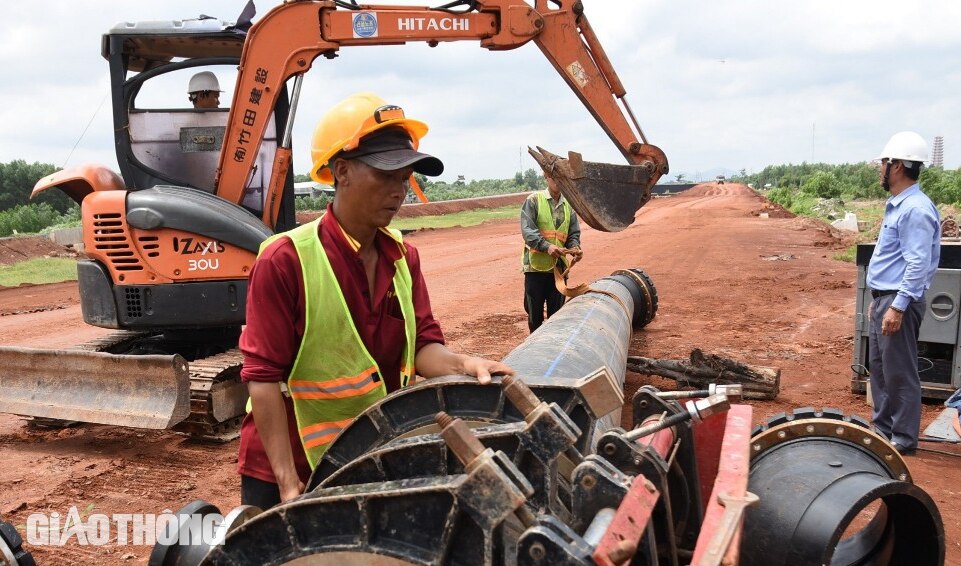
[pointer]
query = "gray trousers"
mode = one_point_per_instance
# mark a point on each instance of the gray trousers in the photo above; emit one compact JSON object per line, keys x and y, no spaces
{"x":895,"y":383}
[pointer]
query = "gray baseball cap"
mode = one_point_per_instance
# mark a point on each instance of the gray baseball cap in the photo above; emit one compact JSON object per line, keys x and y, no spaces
{"x":390,"y":149}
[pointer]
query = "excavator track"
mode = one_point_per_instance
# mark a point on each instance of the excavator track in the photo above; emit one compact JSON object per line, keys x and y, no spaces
{"x":217,"y":396}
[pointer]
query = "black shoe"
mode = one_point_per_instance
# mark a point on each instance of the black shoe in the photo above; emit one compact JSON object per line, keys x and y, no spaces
{"x":903,"y":450}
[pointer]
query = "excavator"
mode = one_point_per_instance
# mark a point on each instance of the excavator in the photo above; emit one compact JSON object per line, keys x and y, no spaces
{"x":171,"y":240}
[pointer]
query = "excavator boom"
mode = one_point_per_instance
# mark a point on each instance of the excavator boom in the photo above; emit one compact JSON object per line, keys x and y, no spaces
{"x":287,"y":40}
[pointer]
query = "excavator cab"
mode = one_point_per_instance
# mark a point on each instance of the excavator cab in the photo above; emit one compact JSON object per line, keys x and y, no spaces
{"x":167,"y":254}
{"x":161,"y":138}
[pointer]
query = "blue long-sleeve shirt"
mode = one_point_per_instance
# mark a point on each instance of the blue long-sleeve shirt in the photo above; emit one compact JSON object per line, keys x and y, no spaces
{"x":909,"y":247}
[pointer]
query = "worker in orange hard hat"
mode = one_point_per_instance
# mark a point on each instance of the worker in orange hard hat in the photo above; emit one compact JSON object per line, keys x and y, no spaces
{"x":337,"y":309}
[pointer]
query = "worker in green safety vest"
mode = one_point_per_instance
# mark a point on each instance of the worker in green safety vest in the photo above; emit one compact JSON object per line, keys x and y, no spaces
{"x":551,"y":233}
{"x":338,"y":314}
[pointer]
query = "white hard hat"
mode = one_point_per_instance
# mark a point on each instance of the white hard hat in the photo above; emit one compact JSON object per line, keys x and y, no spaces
{"x":909,"y":146}
{"x":204,"y":80}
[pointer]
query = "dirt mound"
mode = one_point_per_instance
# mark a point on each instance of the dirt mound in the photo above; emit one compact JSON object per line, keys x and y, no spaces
{"x":773,"y":210}
{"x":20,"y":248}
{"x":715,"y":189}
{"x":444,"y":207}
{"x":827,"y":236}
{"x":460,"y":205}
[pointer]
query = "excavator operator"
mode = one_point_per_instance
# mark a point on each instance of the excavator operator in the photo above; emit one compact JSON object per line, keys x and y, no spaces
{"x":338,"y":313}
{"x":203,"y":90}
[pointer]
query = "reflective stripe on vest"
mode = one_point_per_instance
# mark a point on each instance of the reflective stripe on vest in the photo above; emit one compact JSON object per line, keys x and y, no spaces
{"x":538,"y":260}
{"x":322,"y":434}
{"x":334,"y":378}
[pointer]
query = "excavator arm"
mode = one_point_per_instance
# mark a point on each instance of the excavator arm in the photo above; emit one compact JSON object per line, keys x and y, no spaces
{"x":287,"y":40}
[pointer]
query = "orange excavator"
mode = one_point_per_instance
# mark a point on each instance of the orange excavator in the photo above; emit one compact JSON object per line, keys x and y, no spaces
{"x":171,"y":240}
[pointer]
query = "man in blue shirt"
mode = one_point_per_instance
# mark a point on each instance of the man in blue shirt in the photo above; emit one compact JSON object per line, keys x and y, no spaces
{"x":904,"y":262}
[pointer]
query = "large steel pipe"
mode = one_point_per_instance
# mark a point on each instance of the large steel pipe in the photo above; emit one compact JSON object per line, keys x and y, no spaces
{"x":560,"y":363}
{"x":591,"y":331}
{"x":834,"y":492}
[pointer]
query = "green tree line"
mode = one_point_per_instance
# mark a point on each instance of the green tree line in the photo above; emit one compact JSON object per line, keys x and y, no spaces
{"x":18,"y":212}
{"x":847,"y":180}
{"x":17,"y":179}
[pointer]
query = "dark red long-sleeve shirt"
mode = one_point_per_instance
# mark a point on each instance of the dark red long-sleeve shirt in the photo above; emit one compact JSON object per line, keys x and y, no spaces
{"x":275,"y":323}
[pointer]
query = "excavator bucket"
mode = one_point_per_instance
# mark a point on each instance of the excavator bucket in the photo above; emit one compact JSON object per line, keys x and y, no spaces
{"x":605,"y":196}
{"x":147,"y":391}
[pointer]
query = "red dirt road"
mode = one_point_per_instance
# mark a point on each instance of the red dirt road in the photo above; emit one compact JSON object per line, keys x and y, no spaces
{"x":760,"y":290}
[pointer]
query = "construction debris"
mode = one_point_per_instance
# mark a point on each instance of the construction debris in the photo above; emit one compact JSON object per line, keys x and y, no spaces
{"x":949,"y":227}
{"x":759,"y":382}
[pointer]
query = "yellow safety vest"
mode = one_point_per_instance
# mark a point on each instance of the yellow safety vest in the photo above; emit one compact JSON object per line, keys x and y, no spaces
{"x":334,"y":377}
{"x":538,"y":260}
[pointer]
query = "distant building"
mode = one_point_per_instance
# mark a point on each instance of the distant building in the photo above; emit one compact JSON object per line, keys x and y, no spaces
{"x":312,"y":189}
{"x":937,"y":152}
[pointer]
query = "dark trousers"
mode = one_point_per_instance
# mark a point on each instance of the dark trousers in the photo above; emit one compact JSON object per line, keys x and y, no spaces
{"x":539,"y":290}
{"x":258,"y":493}
{"x":895,"y":383}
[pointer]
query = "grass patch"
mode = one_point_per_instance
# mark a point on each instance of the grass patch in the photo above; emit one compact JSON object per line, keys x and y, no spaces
{"x":849,"y":255}
{"x":466,"y":218}
{"x":38,"y":271}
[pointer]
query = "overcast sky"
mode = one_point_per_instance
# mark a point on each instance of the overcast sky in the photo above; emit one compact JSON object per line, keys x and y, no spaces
{"x":732,"y":84}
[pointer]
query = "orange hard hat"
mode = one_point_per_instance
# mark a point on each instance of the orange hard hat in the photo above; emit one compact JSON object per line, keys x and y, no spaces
{"x":342,"y":128}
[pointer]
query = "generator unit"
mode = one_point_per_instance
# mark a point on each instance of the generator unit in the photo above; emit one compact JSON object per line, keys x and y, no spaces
{"x":939,"y":342}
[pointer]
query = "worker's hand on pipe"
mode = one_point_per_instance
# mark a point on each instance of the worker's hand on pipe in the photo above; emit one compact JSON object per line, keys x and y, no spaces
{"x":435,"y":360}
{"x":482,"y":368}
{"x":891,"y":322}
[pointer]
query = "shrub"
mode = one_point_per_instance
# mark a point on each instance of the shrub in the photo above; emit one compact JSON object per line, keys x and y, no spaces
{"x":312,"y":203}
{"x":28,"y":219}
{"x":822,"y":184}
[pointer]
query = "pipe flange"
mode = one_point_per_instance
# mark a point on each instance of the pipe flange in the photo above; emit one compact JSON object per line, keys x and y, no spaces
{"x":644,"y":312}
{"x":853,"y":433}
{"x":811,"y":413}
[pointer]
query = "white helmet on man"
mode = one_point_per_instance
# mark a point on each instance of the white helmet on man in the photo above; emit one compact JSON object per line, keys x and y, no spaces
{"x":204,"y":80}
{"x":907,"y":146}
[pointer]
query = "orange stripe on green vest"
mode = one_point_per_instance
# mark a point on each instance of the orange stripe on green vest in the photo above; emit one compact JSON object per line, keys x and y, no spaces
{"x":321,"y":434}
{"x":335,"y":388}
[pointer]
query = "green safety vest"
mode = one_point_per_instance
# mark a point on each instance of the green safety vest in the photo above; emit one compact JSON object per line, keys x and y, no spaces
{"x":542,"y":261}
{"x":334,"y":377}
